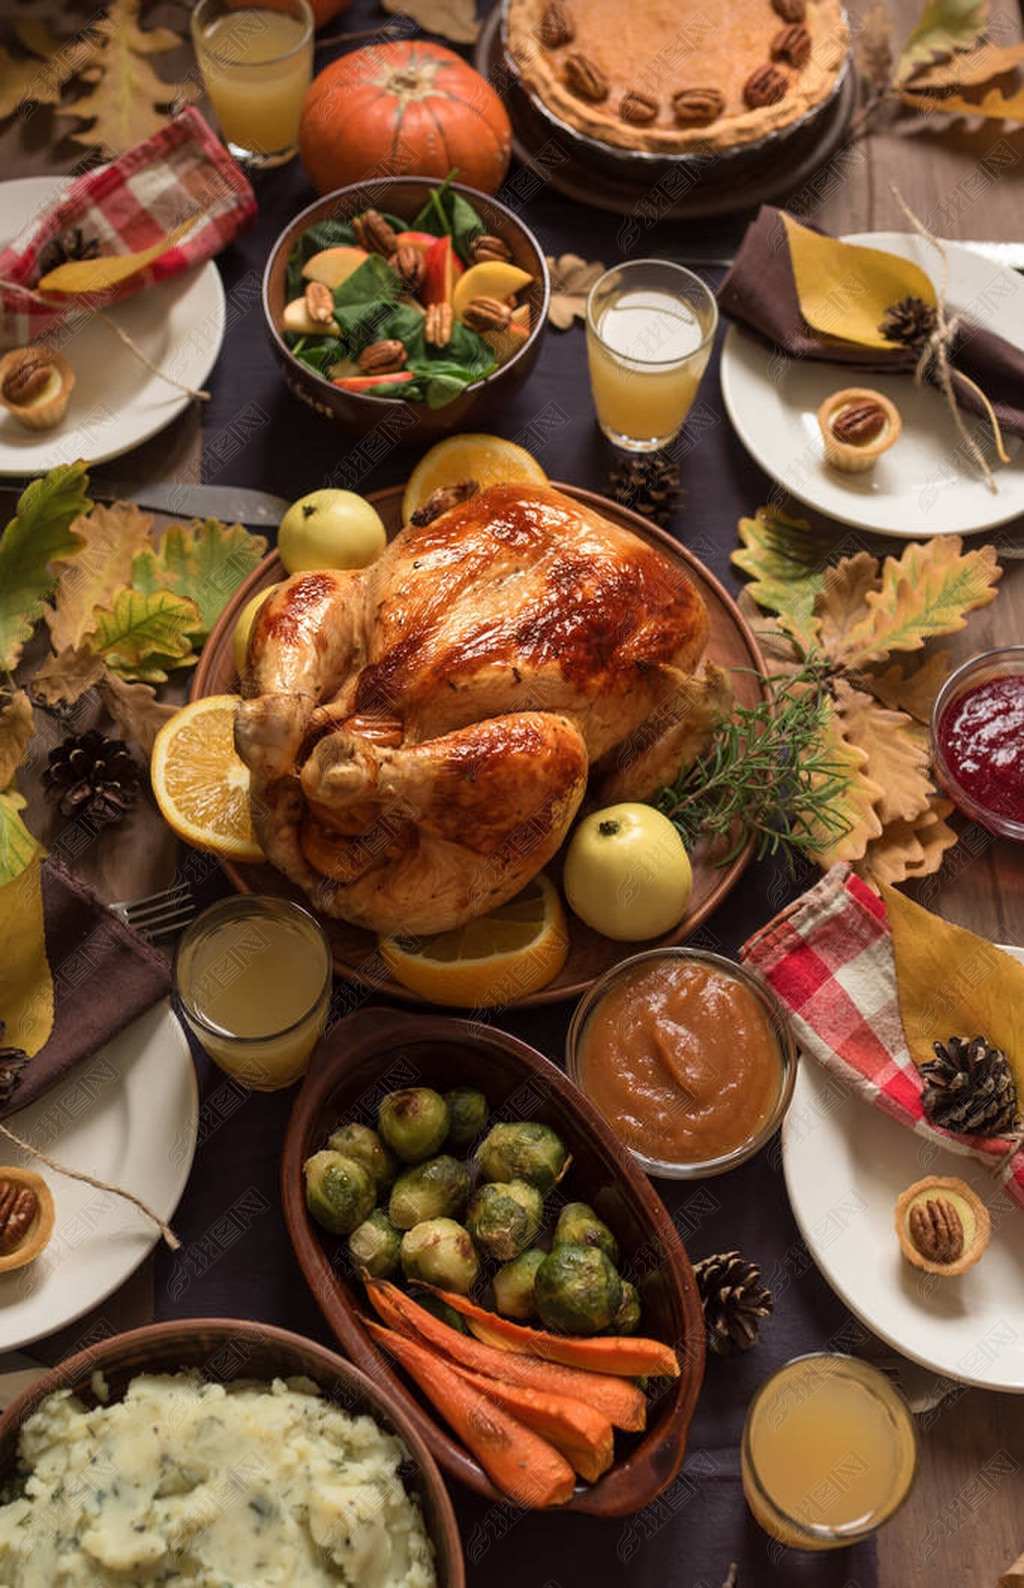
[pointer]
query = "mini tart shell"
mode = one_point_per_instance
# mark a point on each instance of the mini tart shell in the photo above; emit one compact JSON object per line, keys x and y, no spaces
{"x":47,"y":413}
{"x":847,"y":456}
{"x":41,"y":1228}
{"x":973,"y":1216}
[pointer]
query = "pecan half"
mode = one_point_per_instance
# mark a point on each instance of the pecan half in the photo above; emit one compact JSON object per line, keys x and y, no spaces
{"x":555,"y":28}
{"x":766,"y":86}
{"x":437,"y":327}
{"x":486,"y":314}
{"x":18,"y":1208}
{"x":410,"y":266}
{"x":694,"y":107}
{"x":27,"y":380}
{"x":936,"y":1230}
{"x":439,"y":501}
{"x":374,"y":233}
{"x":586,"y":79}
{"x":485,"y":247}
{"x":319,"y":303}
{"x":790,"y":10}
{"x":382,"y":358}
{"x":638,"y":108}
{"x":858,"y":423}
{"x":792,"y":44}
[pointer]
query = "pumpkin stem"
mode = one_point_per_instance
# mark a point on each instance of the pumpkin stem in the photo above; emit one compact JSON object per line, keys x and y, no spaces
{"x":409,"y":80}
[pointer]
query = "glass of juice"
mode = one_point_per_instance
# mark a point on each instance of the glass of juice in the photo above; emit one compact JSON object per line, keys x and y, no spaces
{"x":253,"y":976}
{"x":829,"y":1451}
{"x":650,"y":326}
{"x":257,"y":62}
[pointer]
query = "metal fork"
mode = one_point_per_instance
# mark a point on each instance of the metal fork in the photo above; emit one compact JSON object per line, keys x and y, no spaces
{"x":159,"y":914}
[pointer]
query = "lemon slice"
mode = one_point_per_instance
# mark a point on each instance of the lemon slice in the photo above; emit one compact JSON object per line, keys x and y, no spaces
{"x":487,"y":459}
{"x":200,"y":784}
{"x":518,"y":948}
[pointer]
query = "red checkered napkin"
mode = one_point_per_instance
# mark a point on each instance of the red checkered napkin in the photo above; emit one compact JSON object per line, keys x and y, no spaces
{"x":183,"y":170}
{"x":828,"y":958}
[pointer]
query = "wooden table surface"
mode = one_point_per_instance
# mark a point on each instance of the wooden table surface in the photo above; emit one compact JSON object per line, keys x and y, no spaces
{"x":964,"y":1521}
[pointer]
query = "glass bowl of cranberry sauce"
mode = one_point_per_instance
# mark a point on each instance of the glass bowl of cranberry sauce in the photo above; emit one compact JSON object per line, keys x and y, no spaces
{"x":978,"y":739}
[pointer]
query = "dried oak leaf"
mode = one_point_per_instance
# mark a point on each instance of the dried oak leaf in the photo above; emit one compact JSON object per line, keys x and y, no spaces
{"x":909,"y":849}
{"x":37,"y":539}
{"x":897,"y":758}
{"x":16,"y":729}
{"x":126,"y":100}
{"x":873,"y":47}
{"x":911,"y":691}
{"x":926,"y":591}
{"x":943,"y":28}
{"x":786,"y":563}
{"x":450,"y":19}
{"x":140,"y":635}
{"x":994,"y":107}
{"x":135,"y":709}
{"x":969,"y":71}
{"x":67,"y":676}
{"x":841,"y":606}
{"x":113,"y":536}
{"x":205,"y":561}
{"x":571,"y":281}
{"x":779,"y":650}
{"x":856,"y":807}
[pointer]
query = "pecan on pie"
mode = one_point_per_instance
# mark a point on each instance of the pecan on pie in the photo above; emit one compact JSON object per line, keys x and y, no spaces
{"x":669,"y":76}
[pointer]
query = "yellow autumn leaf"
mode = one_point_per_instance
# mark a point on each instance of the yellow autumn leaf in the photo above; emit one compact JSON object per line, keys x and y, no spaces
{"x":995,"y":106}
{"x":926,"y":591}
{"x":908,"y":849}
{"x":953,"y":983}
{"x":26,"y":983}
{"x":970,"y":70}
{"x":844,"y":289}
{"x":943,"y":27}
{"x":126,"y":101}
{"x":898,"y":759}
{"x":912,"y":690}
{"x":454,"y":20}
{"x":111,"y":536}
{"x":96,"y":275}
{"x":855,"y":809}
{"x":67,"y":676}
{"x":16,"y":729}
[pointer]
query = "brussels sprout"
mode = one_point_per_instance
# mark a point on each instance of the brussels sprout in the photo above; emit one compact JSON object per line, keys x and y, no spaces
{"x":467,"y":1115}
{"x":577,"y":1290}
{"x":440,"y":1252}
{"x":579,"y":1225}
{"x":627,"y":1319}
{"x":524,"y":1151}
{"x":413,"y":1123}
{"x":432,"y":1190}
{"x":513,"y":1285}
{"x":376,"y":1245}
{"x":505,"y":1218}
{"x":339,"y":1192}
{"x":364,"y":1146}
{"x":441,"y":1309}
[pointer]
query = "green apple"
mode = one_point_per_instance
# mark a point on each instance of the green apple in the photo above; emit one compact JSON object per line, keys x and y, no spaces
{"x":330,"y":529}
{"x":243,"y":628}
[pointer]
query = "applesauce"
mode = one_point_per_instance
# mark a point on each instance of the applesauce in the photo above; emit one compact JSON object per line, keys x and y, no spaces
{"x":686,"y":1056}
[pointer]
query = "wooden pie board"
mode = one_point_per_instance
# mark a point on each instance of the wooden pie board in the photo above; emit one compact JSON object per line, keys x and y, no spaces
{"x":731,"y":644}
{"x":669,"y":188}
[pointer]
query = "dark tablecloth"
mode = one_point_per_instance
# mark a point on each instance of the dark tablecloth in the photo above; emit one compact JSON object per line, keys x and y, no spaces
{"x":236,"y":1258}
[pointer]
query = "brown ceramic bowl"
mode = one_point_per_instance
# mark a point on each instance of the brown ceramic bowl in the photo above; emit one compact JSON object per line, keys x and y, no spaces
{"x":379,"y":1050}
{"x":412,"y":422}
{"x":224,"y":1349}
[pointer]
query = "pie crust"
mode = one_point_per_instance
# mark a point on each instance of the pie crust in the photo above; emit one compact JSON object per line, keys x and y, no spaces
{"x":46,"y":410}
{"x":41,"y":1228}
{"x":658,"y":48}
{"x":856,"y":457}
{"x":970,"y":1209}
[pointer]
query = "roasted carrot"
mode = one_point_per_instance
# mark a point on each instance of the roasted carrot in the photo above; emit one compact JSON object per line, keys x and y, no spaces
{"x":582,"y":1435}
{"x":602,"y":1353}
{"x":522,"y":1465}
{"x":622,"y":1403}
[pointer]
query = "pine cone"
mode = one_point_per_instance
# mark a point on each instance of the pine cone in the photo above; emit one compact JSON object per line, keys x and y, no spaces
{"x":67,"y":246}
{"x":969,"y":1088}
{"x":648,"y":483}
{"x":734,"y":1301}
{"x":91,"y":776}
{"x":12,"y":1061}
{"x":911,"y":321}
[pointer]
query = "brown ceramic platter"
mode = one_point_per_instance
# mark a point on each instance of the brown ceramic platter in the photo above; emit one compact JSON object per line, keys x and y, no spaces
{"x":224,"y":1349}
{"x":731,"y":644}
{"x":376,"y":1050}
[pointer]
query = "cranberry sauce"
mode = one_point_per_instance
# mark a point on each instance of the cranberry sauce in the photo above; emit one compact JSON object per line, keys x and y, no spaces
{"x":981,"y":735}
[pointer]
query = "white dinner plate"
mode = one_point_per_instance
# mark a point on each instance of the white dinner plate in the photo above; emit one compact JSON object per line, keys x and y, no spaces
{"x":130,"y":1116}
{"x":845,"y":1165}
{"x":921,"y":486}
{"x":117,"y":403}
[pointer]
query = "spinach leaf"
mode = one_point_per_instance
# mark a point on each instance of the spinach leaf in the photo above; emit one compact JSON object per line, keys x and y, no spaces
{"x":325,"y":234}
{"x":448,"y":214}
{"x":469,"y":349}
{"x":466,"y":224}
{"x":322,"y":357}
{"x":365,"y":302}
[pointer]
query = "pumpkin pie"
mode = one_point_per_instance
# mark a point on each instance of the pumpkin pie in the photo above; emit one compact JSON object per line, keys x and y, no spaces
{"x":671,"y":76}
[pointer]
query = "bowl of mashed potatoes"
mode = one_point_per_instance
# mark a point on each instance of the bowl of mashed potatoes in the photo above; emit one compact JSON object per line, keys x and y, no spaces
{"x":212,"y":1452}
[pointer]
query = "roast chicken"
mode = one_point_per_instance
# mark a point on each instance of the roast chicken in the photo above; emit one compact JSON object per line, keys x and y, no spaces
{"x":420,"y":733}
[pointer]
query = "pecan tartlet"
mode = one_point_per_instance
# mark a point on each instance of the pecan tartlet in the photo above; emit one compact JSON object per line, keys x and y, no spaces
{"x":26,"y":1216}
{"x":35,"y":385}
{"x":943,"y":1226}
{"x":857,"y":425}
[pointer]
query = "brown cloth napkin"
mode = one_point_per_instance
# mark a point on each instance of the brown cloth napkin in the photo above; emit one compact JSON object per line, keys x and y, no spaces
{"x":104,"y":977}
{"x":759,"y":293}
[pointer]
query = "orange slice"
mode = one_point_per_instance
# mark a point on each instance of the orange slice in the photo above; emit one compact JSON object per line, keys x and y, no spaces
{"x":489,"y":460}
{"x":200,"y":783}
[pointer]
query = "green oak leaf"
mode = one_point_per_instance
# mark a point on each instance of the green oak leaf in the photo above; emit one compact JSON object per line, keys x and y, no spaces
{"x":37,"y":538}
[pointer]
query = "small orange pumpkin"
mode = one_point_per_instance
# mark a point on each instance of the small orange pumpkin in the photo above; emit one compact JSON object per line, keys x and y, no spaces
{"x":404,"y":108}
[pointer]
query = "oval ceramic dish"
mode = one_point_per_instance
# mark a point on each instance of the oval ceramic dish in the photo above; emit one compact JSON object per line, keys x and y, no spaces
{"x":415,"y":422}
{"x":731,"y":643}
{"x":232,"y":1348}
{"x":378,"y":1050}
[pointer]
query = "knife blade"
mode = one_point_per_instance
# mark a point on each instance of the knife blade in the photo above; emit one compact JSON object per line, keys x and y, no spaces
{"x":233,"y":504}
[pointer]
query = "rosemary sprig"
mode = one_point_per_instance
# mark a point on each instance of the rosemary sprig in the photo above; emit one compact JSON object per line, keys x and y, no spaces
{"x":769,"y":774}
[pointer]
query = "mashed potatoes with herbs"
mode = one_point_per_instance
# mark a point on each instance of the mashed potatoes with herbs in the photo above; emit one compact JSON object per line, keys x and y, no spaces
{"x":199,"y":1485}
